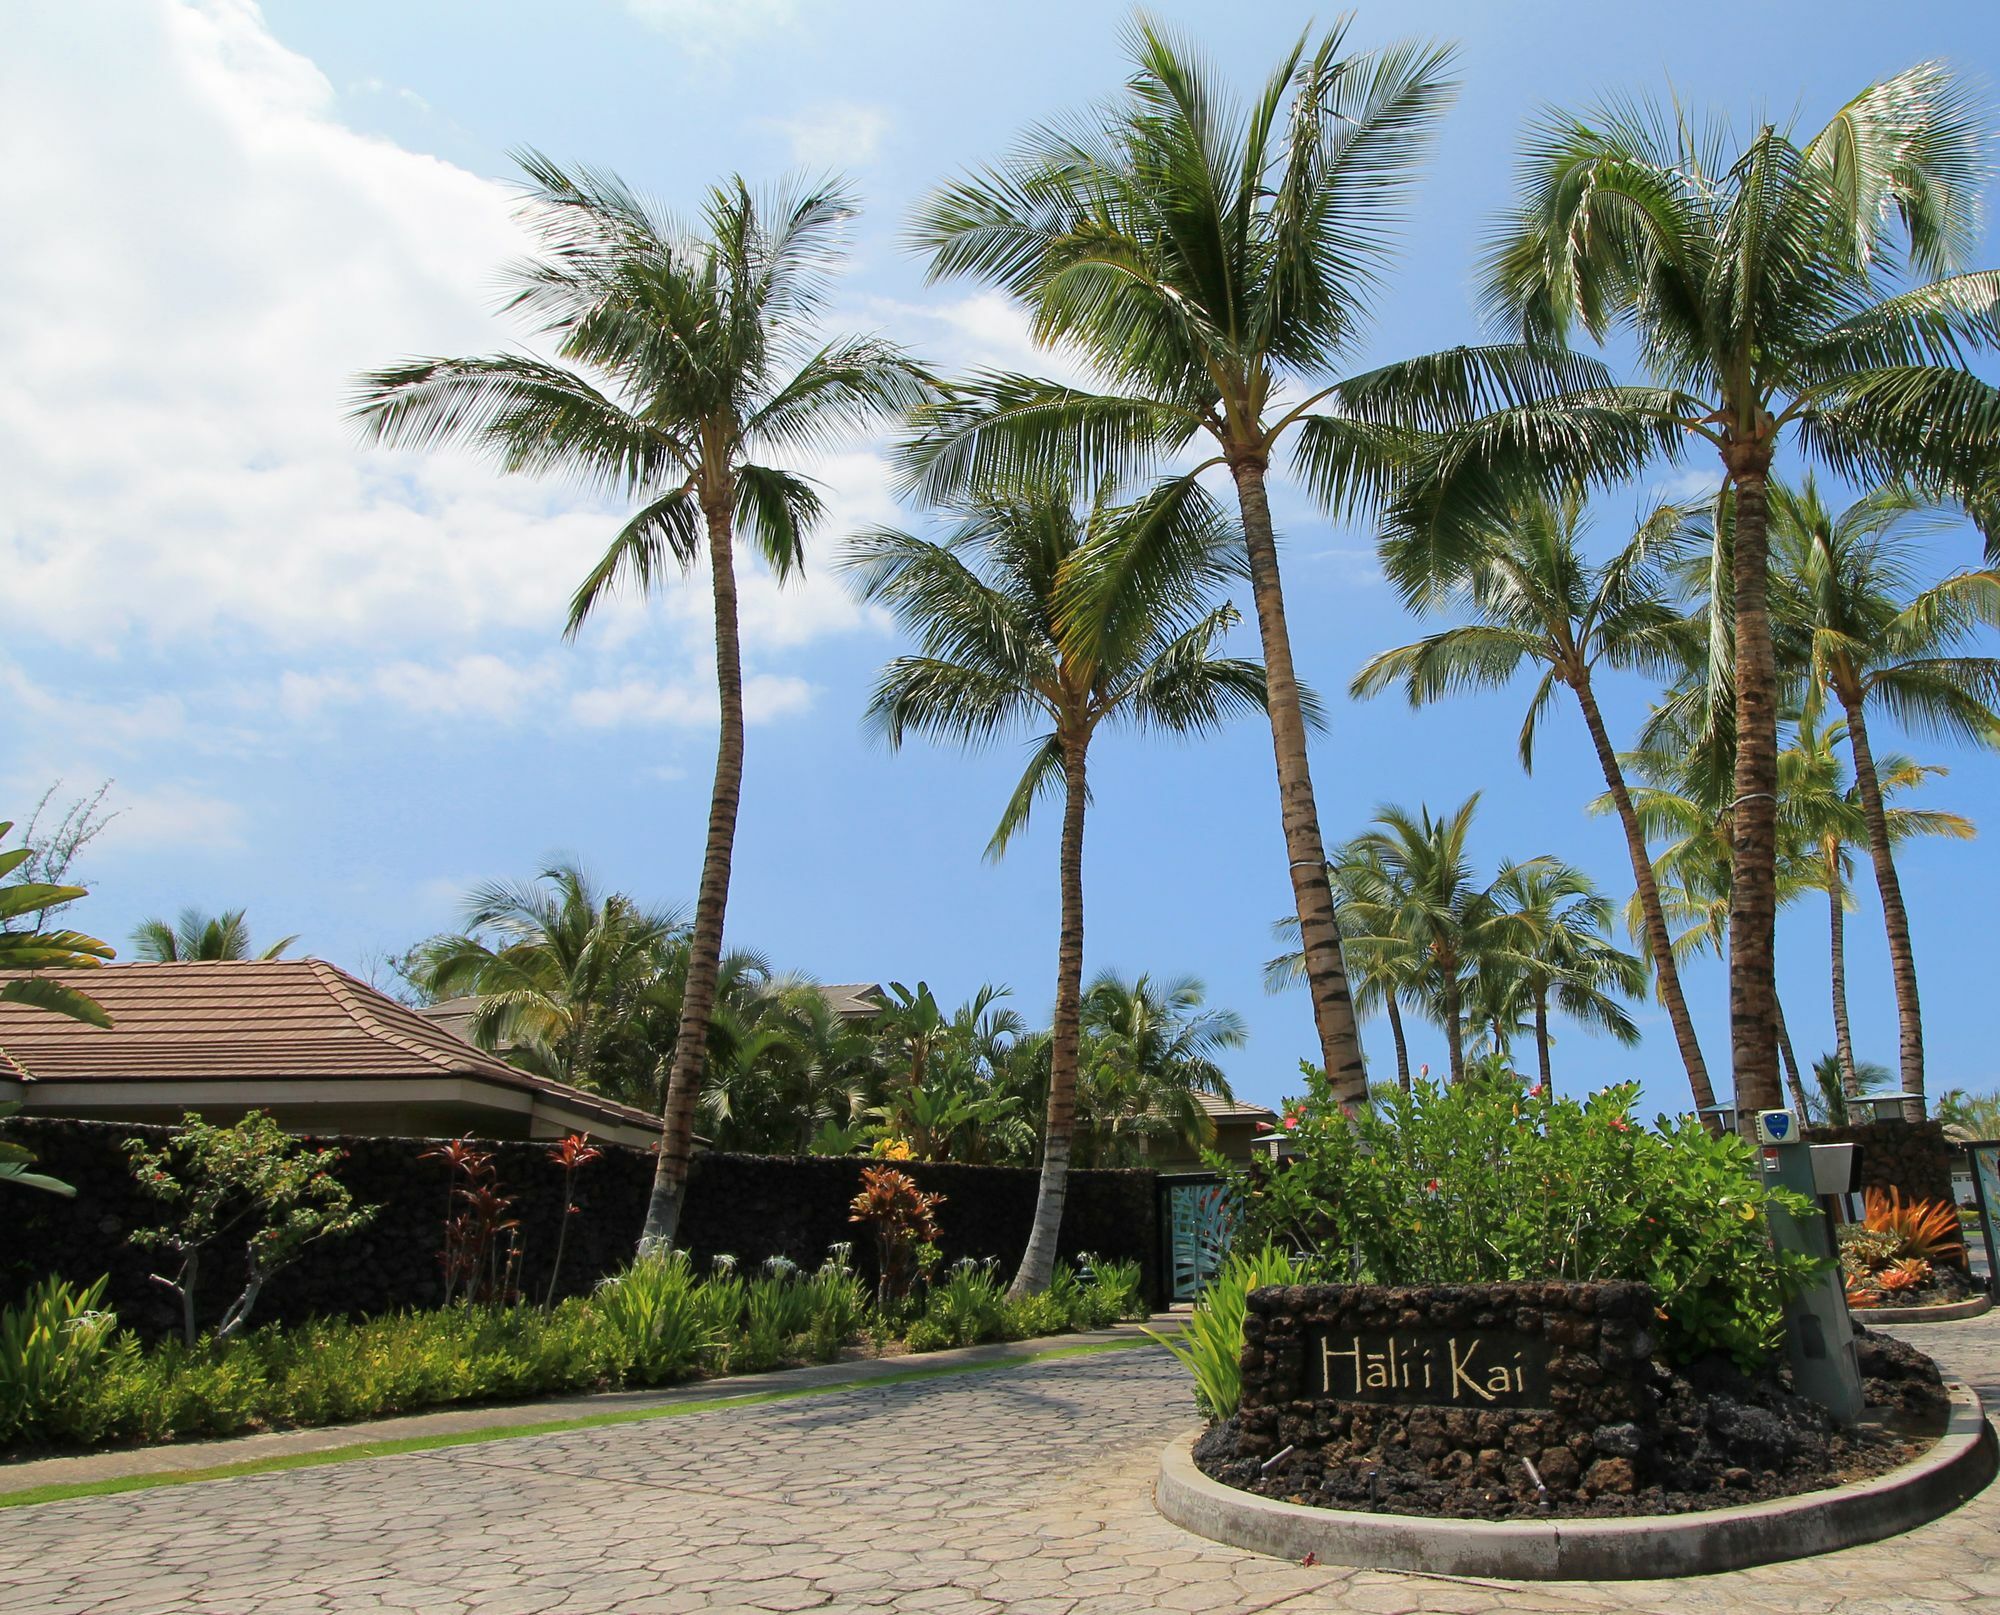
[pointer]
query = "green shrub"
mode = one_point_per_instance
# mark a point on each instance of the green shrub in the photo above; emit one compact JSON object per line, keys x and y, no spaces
{"x":969,"y":1306}
{"x":1486,"y":1181}
{"x":655,"y":1313}
{"x":50,"y":1347}
{"x":778,"y":1309}
{"x":1118,"y":1291}
{"x":923,"y":1335}
{"x":839,"y":1305}
{"x":1211,"y":1346}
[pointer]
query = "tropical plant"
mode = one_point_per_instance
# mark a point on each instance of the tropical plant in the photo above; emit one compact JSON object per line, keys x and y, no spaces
{"x":1446,"y":929}
{"x":1834,"y":1083}
{"x":1210,"y":1347}
{"x":1919,"y":1228}
{"x":902,"y":1218}
{"x":1781,"y":291}
{"x":15,"y":1159}
{"x":477,"y":1212}
{"x":1149,"y":1053}
{"x":1846,"y":604}
{"x":695,"y":360}
{"x":1032,"y":613}
{"x":1537,"y":602}
{"x":54,"y":841}
{"x":572,"y":1154}
{"x":1207,"y":259}
{"x":1564,"y":958}
{"x":253,"y":1182}
{"x":654,"y":1310}
{"x":24,"y":952}
{"x":51,"y":1345}
{"x":201,"y":937}
{"x":1967,"y":1116}
{"x":557,"y":968}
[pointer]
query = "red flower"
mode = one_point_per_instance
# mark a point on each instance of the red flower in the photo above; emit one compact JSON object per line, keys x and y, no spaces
{"x":1621,"y":1124}
{"x":1291,"y":1124}
{"x":1432,"y":1186}
{"x":1536,"y":1091}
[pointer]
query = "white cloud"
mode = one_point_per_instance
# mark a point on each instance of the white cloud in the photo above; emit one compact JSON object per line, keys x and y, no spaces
{"x":833,"y":134}
{"x":708,"y":27}
{"x":687,"y":702}
{"x":176,"y":355}
{"x":173,"y":817}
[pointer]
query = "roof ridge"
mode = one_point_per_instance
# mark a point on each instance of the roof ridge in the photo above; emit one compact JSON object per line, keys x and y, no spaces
{"x":338,"y":984}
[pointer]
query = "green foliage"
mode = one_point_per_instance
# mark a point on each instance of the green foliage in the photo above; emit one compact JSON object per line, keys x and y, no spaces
{"x":50,"y":1347}
{"x":254,"y":1182}
{"x":1118,"y":1289}
{"x":15,"y":1159}
{"x":1485,"y":1182}
{"x":839,"y":1306}
{"x":196,"y":936}
{"x":1211,"y":1347}
{"x":652,"y":1311}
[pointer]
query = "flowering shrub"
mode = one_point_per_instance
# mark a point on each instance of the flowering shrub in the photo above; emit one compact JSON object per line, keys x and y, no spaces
{"x":1490,"y":1181}
{"x":904,"y":1221}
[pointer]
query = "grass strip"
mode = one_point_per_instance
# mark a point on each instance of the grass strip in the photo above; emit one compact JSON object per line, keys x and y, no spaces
{"x":63,"y":1491}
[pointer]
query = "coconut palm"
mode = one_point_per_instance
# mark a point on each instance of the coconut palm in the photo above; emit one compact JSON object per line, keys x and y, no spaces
{"x":995,"y":608}
{"x":1825,"y":810}
{"x":690,"y":358}
{"x":1151,"y":1051}
{"x":1538,"y":603}
{"x":558,"y":969}
{"x":1789,"y":293}
{"x":196,"y":935}
{"x":1445,"y":929}
{"x":1845,"y":599}
{"x":1560,"y":919}
{"x":1207,"y":260}
{"x":1836,"y":1084}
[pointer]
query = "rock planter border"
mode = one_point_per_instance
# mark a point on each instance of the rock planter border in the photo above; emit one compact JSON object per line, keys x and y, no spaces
{"x":1950,"y":1312}
{"x":1624,"y":1549}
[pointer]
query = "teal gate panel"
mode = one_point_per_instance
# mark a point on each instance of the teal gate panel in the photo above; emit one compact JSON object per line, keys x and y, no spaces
{"x":1200,"y":1218}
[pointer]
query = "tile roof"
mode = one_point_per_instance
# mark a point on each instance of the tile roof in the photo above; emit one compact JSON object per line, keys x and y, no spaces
{"x":852,"y":1000}
{"x":1226,"y":1109}
{"x":282,"y":1020}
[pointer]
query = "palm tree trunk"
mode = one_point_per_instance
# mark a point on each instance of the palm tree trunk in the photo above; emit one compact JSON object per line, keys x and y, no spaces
{"x":1790,"y":1056}
{"x":1038,"y":1261}
{"x":1402,"y":1049}
{"x":1753,"y":879}
{"x":1454,"y":1029}
{"x":1895,"y":918}
{"x":1312,"y":891}
{"x":663,"y":1209}
{"x":1843,"y":1041}
{"x":1666,"y":974}
{"x":1542,"y":1038}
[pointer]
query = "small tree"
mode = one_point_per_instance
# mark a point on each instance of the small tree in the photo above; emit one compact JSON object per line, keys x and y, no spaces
{"x":254,"y":1181}
{"x":902,"y":1217}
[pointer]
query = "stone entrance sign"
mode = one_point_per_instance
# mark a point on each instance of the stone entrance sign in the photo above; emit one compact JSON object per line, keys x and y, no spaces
{"x":1522,"y":1385}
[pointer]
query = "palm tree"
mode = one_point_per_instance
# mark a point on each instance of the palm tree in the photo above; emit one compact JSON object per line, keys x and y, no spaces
{"x":196,"y":936}
{"x":1208,"y":260}
{"x":1826,"y":811}
{"x":695,"y":360}
{"x":1446,"y":929}
{"x":999,"y":611}
{"x":25,"y":952}
{"x":1152,"y":1052}
{"x":1791,"y":292}
{"x":1560,"y":919}
{"x":1843,"y":597}
{"x":1537,"y":602}
{"x":1836,"y":1084}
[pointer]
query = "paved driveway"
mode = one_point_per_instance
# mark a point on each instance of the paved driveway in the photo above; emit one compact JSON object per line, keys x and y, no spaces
{"x":1025,"y":1489}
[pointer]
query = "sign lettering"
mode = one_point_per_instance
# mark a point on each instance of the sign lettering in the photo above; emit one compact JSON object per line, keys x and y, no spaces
{"x":1486,"y":1368}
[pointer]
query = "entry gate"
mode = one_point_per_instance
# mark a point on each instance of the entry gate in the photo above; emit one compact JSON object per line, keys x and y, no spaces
{"x":1198,"y":1216}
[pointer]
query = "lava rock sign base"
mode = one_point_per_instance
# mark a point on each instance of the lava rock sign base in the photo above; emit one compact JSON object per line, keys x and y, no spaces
{"x":1536,"y":1389}
{"x":1961,"y":1463}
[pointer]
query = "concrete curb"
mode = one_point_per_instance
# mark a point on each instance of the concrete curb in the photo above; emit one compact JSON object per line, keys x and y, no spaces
{"x":1977,"y":1307}
{"x":1643,"y":1548}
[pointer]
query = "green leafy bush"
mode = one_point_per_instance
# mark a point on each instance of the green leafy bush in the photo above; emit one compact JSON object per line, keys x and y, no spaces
{"x":1118,"y":1292}
{"x":654,"y":1312}
{"x":839,"y":1306}
{"x":1488,"y":1181}
{"x":778,"y":1310}
{"x":50,"y":1347}
{"x":969,"y":1306}
{"x":1211,"y":1346}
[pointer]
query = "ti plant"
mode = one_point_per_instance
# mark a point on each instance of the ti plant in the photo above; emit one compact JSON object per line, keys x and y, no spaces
{"x":574,"y":1152}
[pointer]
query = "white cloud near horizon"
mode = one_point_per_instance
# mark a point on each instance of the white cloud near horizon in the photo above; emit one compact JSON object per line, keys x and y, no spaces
{"x":832,"y":134}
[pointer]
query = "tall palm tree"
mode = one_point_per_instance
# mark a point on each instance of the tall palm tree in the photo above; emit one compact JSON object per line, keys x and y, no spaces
{"x":690,"y":356}
{"x":1446,"y":926}
{"x":1560,"y":919}
{"x":1826,"y":811}
{"x":1537,"y":602}
{"x":558,"y":968}
{"x":996,"y":609}
{"x":199,"y":936}
{"x":1208,"y":260}
{"x":1845,"y":600}
{"x":1156,"y":1045}
{"x":1782,"y":292}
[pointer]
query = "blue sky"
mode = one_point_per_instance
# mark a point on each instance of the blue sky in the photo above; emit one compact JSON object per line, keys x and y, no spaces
{"x":329,"y":683}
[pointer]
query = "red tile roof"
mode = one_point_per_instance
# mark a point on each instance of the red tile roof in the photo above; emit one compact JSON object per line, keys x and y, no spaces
{"x":286,"y":1020}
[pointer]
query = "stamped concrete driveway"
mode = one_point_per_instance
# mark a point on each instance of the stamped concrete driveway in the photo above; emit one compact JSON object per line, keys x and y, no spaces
{"x":1024,"y":1489}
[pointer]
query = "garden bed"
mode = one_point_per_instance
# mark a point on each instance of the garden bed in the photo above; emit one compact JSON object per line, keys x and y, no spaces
{"x":1713,"y":1437}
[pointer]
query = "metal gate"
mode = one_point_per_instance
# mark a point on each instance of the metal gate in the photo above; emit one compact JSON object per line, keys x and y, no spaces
{"x":1198,"y":1215}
